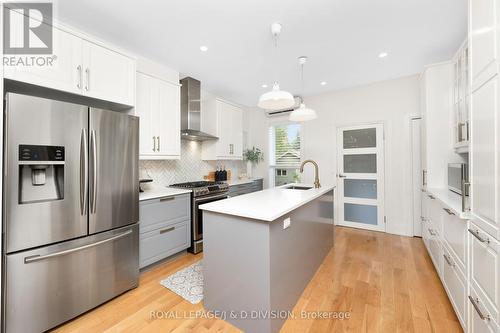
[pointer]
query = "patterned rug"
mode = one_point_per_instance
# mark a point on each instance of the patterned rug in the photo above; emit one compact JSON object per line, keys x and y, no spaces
{"x":187,"y":283}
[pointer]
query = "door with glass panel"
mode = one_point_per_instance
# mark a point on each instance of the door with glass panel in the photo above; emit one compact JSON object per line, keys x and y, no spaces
{"x":360,"y":166}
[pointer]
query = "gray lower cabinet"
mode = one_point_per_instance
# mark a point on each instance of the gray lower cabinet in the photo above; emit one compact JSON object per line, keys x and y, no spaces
{"x":165,"y":227}
{"x":254,"y":186}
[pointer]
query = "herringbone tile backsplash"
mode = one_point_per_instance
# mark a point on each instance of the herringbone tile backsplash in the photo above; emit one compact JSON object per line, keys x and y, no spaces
{"x":189,"y":168}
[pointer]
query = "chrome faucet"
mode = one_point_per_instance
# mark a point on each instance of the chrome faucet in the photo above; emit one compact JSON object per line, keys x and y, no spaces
{"x":316,"y":172}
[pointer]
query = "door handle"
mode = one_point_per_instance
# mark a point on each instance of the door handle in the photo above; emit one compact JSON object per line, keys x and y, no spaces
{"x":93,"y":145}
{"x":87,"y":76}
{"x":154,"y":143}
{"x":424,"y":177}
{"x":448,"y":260}
{"x":167,"y":230}
{"x":35,"y":258}
{"x":448,"y":211}
{"x":478,"y":310}
{"x":431,"y":197}
{"x":476,"y":234}
{"x":431,"y":232}
{"x":79,"y":84}
{"x":158,"y":148}
{"x":83,"y":172}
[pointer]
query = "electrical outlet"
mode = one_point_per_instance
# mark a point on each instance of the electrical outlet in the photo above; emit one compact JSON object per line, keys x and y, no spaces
{"x":286,"y":223}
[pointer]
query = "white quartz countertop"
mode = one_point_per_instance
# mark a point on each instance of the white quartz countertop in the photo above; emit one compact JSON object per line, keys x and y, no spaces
{"x":241,"y":181}
{"x":155,"y":192}
{"x":267,"y":205}
{"x":449,"y":199}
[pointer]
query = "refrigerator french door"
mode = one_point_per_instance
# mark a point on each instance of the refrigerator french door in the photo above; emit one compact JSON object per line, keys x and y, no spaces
{"x":70,"y":210}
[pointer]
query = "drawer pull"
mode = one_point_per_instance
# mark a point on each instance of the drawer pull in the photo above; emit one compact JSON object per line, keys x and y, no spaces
{"x":448,"y":211}
{"x":166,"y":230}
{"x":478,"y":310}
{"x":431,"y":197}
{"x":476,"y":234}
{"x":432,"y":232}
{"x":166,"y":199}
{"x":448,"y":260}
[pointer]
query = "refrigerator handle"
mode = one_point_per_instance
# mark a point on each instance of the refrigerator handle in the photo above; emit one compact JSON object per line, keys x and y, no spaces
{"x":93,"y":146}
{"x":83,"y":172}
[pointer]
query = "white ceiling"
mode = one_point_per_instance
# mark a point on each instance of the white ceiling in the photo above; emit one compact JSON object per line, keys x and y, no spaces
{"x":342,"y":38}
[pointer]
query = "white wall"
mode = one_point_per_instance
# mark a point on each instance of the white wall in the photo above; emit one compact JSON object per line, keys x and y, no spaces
{"x":389,"y":102}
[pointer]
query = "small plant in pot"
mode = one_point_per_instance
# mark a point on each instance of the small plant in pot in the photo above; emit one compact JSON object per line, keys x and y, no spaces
{"x":252,"y":156}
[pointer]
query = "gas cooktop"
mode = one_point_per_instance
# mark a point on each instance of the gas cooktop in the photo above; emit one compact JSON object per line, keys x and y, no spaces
{"x":200,"y":188}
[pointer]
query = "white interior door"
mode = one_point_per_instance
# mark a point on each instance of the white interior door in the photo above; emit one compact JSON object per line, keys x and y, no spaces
{"x":416,"y":175}
{"x":360,"y":165}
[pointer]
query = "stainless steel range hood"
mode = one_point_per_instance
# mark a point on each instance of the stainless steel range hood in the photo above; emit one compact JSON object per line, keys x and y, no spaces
{"x":191,"y":111}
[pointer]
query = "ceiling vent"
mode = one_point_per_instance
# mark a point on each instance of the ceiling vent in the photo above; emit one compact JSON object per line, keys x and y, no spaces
{"x":283,"y":112}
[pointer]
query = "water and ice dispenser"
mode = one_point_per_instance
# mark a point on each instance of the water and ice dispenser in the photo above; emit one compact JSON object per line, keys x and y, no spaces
{"x":41,"y":173}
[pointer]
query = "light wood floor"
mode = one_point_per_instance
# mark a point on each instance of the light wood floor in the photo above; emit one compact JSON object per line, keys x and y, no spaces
{"x":386,"y":282}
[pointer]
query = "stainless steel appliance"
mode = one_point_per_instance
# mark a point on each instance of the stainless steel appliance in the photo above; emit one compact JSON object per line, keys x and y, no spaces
{"x":202,"y":192}
{"x":70,"y":210}
{"x":191,"y":111}
{"x":458,"y":177}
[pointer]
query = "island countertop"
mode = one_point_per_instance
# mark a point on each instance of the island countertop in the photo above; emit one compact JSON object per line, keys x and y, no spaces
{"x":269,"y":204}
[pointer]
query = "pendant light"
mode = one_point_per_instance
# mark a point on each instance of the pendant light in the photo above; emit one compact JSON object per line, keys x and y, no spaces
{"x":276,"y":99}
{"x":302,"y":113}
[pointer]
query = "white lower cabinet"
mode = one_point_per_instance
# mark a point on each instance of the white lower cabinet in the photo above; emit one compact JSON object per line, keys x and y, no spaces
{"x":480,"y":319}
{"x":455,"y":235}
{"x":455,"y":283}
{"x":165,"y":227}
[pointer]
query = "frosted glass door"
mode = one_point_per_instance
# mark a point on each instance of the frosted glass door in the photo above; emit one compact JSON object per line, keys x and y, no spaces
{"x":360,"y":175}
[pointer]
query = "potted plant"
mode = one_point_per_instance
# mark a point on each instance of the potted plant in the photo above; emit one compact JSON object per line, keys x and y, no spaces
{"x":252,"y":156}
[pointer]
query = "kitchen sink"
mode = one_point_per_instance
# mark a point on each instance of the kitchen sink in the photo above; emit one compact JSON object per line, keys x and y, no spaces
{"x":295,"y":187}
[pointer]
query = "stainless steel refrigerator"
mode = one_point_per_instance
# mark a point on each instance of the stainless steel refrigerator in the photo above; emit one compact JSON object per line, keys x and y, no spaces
{"x":71,"y":210}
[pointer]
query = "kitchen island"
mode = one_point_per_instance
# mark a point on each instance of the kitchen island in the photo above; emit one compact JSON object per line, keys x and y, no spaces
{"x":261,"y":250}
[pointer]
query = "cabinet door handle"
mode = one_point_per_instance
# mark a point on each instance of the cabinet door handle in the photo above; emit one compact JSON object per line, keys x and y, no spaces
{"x":87,"y":75}
{"x":158,"y":148}
{"x":79,"y":84}
{"x":166,"y":199}
{"x":448,"y":260}
{"x":431,"y":197}
{"x":167,"y":230}
{"x":475,"y":304}
{"x":424,"y":177}
{"x":448,"y":211}
{"x":154,"y":143}
{"x":476,"y":234}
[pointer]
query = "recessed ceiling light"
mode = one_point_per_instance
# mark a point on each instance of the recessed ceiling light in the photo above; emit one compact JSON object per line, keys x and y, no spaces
{"x":383,"y":55}
{"x":203,"y":48}
{"x":323,"y":83}
{"x":264,"y":85}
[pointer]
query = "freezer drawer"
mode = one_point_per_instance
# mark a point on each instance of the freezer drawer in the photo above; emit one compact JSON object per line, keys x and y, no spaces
{"x":48,"y":286}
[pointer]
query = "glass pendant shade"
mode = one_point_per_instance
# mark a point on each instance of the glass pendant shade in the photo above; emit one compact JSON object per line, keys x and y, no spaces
{"x":276,"y":99}
{"x":302,"y":114}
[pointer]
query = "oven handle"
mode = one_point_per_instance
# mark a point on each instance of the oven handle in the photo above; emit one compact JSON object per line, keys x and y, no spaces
{"x":219,"y":196}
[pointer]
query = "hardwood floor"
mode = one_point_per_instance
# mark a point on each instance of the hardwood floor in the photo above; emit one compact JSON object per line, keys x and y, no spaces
{"x":386,"y":282}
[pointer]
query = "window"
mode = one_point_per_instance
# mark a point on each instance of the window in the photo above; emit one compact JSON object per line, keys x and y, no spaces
{"x":285,"y":154}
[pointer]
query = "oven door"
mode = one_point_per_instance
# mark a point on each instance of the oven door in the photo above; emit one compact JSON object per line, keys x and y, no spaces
{"x":198,"y":213}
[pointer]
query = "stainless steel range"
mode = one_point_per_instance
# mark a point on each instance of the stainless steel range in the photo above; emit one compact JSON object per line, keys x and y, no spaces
{"x":202,"y":192}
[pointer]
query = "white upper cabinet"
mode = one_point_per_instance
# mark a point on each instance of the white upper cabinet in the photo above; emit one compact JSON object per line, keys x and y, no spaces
{"x":224,"y":120}
{"x":108,"y":75}
{"x":64,"y":74}
{"x":461,"y":98}
{"x":484,"y":39}
{"x":485,"y":128}
{"x":158,"y":107}
{"x":79,"y":66}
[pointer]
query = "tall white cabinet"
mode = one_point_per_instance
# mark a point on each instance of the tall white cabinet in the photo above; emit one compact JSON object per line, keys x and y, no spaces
{"x":158,"y":107}
{"x":484,"y":229}
{"x":224,"y":120}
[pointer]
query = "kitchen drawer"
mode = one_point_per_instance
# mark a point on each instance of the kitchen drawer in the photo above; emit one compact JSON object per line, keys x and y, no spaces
{"x":455,"y":235}
{"x":434,"y":247}
{"x":167,"y":210}
{"x":434,"y":211}
{"x":480,"y":318}
{"x":455,"y":284}
{"x":163,"y":242}
{"x":484,"y":260}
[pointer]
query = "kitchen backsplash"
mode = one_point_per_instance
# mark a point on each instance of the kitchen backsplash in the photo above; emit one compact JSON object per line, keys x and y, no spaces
{"x":189,"y":168}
